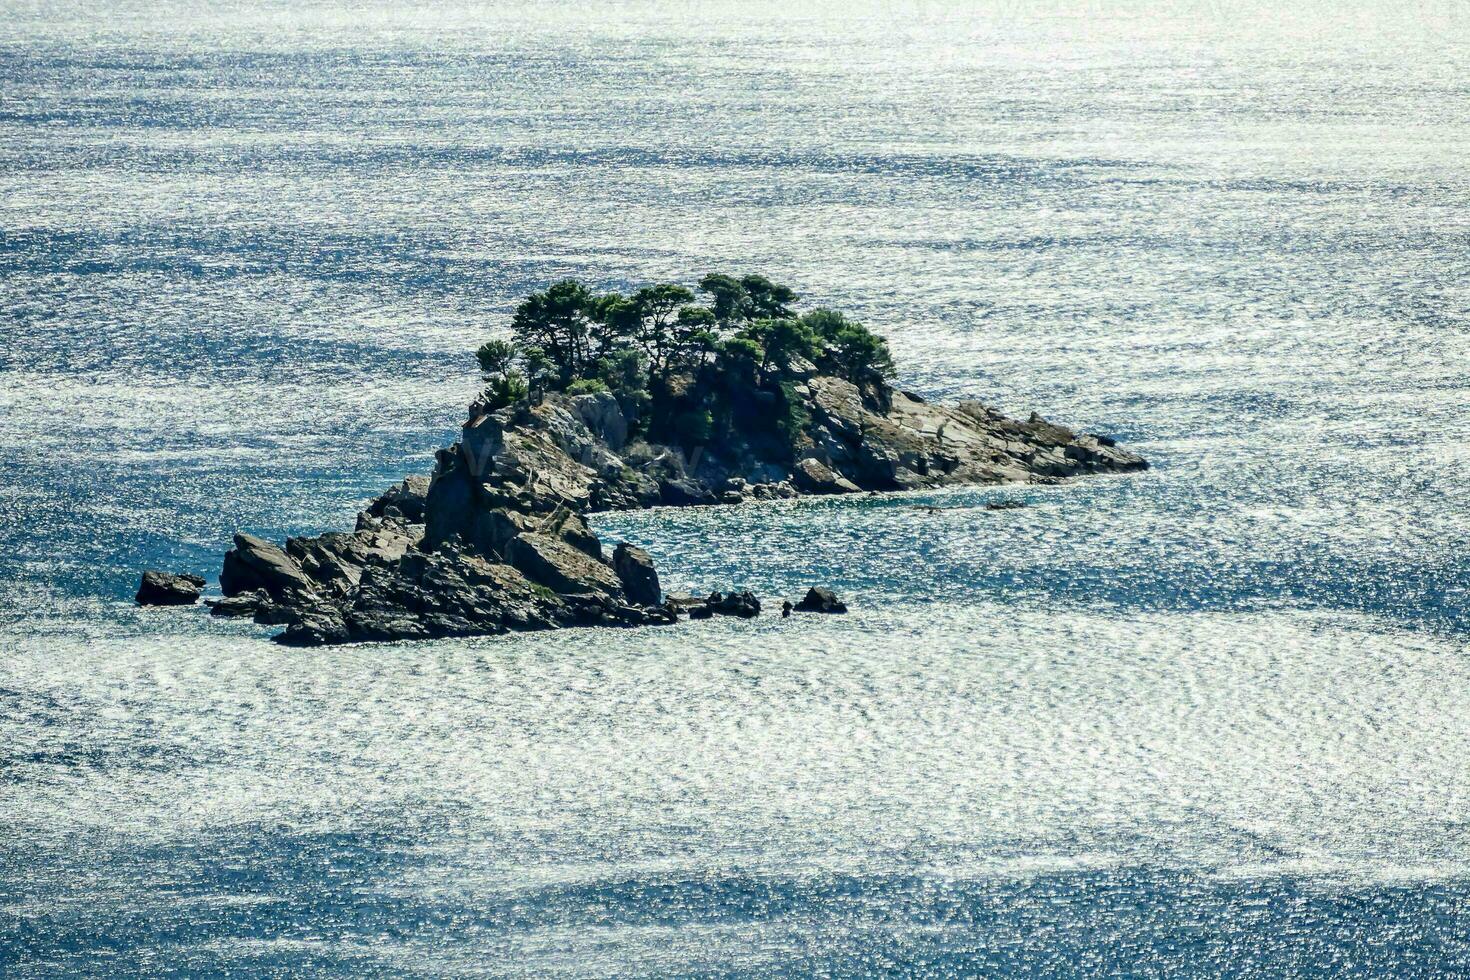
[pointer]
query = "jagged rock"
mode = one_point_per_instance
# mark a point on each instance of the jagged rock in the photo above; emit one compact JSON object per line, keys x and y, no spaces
{"x":661,"y":614}
{"x":822,"y":600}
{"x":244,"y":604}
{"x":168,"y":589}
{"x":635,"y":570}
{"x":603,"y":416}
{"x":684,"y":492}
{"x":407,"y":498}
{"x":813,"y":477}
{"x":572,"y":529}
{"x":742,"y":604}
{"x":270,"y":613}
{"x":561,"y":567}
{"x":257,"y":564}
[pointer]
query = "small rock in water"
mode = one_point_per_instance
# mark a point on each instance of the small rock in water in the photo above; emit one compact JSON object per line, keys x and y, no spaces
{"x":168,"y":589}
{"x":742,"y":604}
{"x":822,"y":600}
{"x":1005,"y":505}
{"x":785,"y":608}
{"x":635,"y":570}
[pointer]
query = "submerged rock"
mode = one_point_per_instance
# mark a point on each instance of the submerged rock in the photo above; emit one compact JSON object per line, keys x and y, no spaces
{"x":169,"y":589}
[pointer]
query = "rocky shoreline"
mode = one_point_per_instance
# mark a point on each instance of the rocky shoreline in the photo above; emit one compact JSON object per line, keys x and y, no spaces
{"x":495,"y":540}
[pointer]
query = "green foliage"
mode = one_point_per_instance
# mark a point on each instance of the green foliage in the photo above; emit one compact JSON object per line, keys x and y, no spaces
{"x":747,"y":298}
{"x":727,"y":296}
{"x":586,"y":386}
{"x":624,"y":372}
{"x":695,"y":427}
{"x":783,"y":341}
{"x":678,"y":368}
{"x":507,"y":390}
{"x":794,"y":419}
{"x":767,"y":299}
{"x":557,"y":322}
{"x":496,"y":357}
{"x":540,"y":370}
{"x":740,"y":356}
{"x":848,"y":348}
{"x":504,"y":384}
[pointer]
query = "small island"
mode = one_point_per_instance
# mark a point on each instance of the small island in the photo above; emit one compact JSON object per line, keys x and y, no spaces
{"x":606,"y":402}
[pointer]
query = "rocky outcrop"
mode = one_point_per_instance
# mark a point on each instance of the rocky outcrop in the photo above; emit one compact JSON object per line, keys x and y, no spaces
{"x":551,"y":562}
{"x":635,"y":570}
{"x":821,"y":600}
{"x":255,"y":563}
{"x":169,"y":589}
{"x":495,"y":539}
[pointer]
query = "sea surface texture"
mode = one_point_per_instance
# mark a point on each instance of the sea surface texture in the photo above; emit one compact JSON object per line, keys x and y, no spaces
{"x":1211,"y":719}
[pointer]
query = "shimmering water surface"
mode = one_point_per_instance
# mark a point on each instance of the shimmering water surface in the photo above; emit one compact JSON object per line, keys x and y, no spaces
{"x":1207,"y":719}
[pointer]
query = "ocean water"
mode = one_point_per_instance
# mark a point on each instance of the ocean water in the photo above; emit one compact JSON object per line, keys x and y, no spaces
{"x":1210,"y":719}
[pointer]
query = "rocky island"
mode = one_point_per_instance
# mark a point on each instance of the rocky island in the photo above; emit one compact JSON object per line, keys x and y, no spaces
{"x":606,"y":402}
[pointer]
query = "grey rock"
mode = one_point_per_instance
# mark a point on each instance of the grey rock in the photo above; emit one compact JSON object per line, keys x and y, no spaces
{"x":496,"y":540}
{"x":684,"y":492}
{"x":168,"y":589}
{"x":561,"y":567}
{"x":244,"y":604}
{"x":603,"y":417}
{"x":407,"y":498}
{"x":255,"y":563}
{"x":635,"y":570}
{"x":813,"y":476}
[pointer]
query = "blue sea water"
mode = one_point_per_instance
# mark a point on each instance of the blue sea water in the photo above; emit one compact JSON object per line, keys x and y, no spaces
{"x":1206,"y":720}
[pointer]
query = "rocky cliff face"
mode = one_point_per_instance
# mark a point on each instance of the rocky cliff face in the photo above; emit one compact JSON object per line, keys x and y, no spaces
{"x":495,"y":541}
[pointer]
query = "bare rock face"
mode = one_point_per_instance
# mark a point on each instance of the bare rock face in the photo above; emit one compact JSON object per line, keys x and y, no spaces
{"x":635,"y":570}
{"x":404,"y":502}
{"x":814,"y":477}
{"x":255,"y":563}
{"x":168,"y":589}
{"x":244,"y":604}
{"x":562,"y":568}
{"x":603,"y":417}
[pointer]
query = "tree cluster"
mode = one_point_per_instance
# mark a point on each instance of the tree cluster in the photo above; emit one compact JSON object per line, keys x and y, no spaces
{"x":680,"y":368}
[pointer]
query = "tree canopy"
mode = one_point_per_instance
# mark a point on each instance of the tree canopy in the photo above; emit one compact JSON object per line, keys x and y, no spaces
{"x":675,"y":364}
